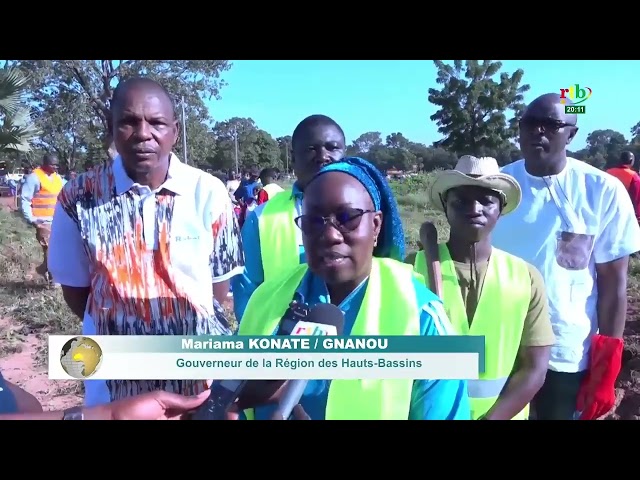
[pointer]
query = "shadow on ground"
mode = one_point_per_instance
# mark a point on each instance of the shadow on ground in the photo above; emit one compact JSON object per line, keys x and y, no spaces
{"x":23,"y":288}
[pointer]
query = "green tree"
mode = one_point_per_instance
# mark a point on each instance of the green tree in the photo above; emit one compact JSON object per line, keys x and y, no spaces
{"x":17,"y":129}
{"x":607,"y":143}
{"x":603,"y":148}
{"x":472,"y":105}
{"x":438,"y":158}
{"x":364,"y":143}
{"x":256,"y":148}
{"x":635,"y":133}
{"x":201,"y":143}
{"x":286,"y":151}
{"x":68,"y":129}
{"x":402,"y":158}
{"x":93,"y":81}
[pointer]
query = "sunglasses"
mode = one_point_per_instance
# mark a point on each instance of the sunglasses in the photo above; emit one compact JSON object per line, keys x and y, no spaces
{"x":345,"y":221}
{"x":545,"y":124}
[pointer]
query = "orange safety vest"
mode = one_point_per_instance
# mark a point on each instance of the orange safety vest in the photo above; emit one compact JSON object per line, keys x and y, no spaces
{"x":43,"y":203}
{"x":624,"y":174}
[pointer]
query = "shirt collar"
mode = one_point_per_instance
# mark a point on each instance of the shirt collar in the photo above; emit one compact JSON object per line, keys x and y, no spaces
{"x":313,"y":290}
{"x":177,"y":181}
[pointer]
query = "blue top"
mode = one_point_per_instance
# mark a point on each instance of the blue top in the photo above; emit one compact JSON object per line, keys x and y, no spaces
{"x":252,"y":277}
{"x":8,"y":402}
{"x":30,"y":187}
{"x":431,"y":399}
{"x":246,"y":190}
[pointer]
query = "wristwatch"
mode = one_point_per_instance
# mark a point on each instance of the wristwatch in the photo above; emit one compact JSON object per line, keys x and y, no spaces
{"x":73,"y":413}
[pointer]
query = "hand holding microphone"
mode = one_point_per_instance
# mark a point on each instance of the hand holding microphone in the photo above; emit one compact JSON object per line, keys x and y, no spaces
{"x":323,"y":319}
{"x":229,"y":397}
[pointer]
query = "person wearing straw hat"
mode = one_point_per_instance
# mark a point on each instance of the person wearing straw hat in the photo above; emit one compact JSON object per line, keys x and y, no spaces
{"x":488,"y":292}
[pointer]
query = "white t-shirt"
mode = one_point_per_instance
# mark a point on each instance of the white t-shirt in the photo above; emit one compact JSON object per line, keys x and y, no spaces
{"x":232,"y":186}
{"x":595,"y":213}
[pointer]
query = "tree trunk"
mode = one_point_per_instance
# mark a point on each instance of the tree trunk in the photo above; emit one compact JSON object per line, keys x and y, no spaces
{"x":109,"y":147}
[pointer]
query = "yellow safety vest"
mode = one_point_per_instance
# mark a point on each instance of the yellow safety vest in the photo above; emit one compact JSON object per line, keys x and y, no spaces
{"x":278,"y":240}
{"x":499,"y":317}
{"x":43,"y":203}
{"x":388,"y":308}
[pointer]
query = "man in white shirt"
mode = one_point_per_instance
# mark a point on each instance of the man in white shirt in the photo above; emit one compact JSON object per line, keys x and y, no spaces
{"x":233,"y":183}
{"x":145,"y":244}
{"x":576,"y":224}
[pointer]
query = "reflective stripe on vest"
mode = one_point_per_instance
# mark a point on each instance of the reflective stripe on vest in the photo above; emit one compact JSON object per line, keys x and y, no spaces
{"x":388,"y":308}
{"x":278,"y":240}
{"x":502,"y":338}
{"x":43,"y":203}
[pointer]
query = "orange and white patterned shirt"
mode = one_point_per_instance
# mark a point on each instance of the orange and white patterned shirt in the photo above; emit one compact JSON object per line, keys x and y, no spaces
{"x":149,"y":257}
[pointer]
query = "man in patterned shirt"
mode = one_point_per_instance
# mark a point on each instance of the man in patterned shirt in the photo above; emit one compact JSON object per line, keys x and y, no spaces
{"x":142,"y":245}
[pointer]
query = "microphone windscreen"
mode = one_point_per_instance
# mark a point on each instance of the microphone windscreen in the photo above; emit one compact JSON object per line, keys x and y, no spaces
{"x":327,"y":314}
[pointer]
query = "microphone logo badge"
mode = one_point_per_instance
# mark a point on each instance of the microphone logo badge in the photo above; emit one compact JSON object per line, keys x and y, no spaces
{"x":313,"y":329}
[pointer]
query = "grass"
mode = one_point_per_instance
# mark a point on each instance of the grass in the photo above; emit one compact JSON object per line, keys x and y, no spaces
{"x":411,"y":195}
{"x":633,"y":287}
{"x":32,"y":306}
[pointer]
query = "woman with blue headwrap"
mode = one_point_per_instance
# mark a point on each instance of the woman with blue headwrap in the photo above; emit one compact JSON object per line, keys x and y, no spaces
{"x":354,"y":243}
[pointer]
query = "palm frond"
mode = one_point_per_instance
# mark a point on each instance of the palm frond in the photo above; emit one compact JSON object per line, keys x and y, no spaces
{"x":18,"y":132}
{"x":12,"y":83}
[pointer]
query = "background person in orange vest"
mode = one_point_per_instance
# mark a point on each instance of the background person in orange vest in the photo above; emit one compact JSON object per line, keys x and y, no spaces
{"x":38,"y":199}
{"x":629,"y":177}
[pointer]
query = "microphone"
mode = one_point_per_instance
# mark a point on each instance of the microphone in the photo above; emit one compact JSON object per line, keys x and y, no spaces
{"x":223,"y":395}
{"x":323,"y":319}
{"x":295,"y":322}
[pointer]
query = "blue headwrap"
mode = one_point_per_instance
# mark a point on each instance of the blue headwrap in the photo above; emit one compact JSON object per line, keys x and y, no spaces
{"x":391,"y":238}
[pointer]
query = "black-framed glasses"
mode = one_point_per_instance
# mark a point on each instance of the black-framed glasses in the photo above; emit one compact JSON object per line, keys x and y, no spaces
{"x":545,"y":124}
{"x":345,"y":221}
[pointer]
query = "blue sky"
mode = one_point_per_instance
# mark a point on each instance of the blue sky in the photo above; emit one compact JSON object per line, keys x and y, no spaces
{"x":391,"y":95}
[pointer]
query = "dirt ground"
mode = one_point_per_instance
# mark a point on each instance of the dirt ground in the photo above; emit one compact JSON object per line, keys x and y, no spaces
{"x":20,"y":368}
{"x":628,"y":384}
{"x":6,"y":202}
{"x":21,"y":365}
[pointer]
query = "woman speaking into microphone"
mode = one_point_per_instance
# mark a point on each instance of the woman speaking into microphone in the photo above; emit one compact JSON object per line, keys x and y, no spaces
{"x":354,"y":242}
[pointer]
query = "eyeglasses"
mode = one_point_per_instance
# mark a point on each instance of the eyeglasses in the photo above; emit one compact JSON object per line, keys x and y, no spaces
{"x":345,"y":221}
{"x":545,"y":124}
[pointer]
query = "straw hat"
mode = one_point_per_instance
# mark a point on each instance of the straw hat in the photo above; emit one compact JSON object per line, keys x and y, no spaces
{"x":476,"y":172}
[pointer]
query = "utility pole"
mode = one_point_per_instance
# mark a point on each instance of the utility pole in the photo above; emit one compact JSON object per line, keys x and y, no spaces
{"x":184,"y":132}
{"x":235,"y":140}
{"x":286,"y":153}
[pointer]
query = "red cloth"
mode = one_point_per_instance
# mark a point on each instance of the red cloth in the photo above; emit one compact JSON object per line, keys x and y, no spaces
{"x":597,"y":393}
{"x":263,"y":196}
{"x":634,"y":193}
{"x":631,"y":181}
